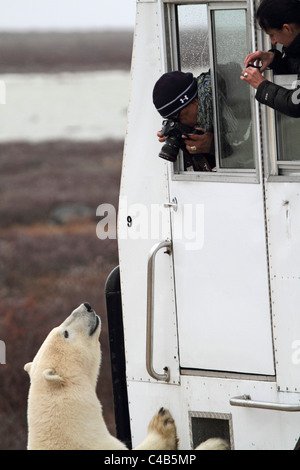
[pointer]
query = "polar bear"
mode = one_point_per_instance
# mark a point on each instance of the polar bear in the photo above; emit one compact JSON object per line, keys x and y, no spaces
{"x":63,"y":409}
{"x":214,"y":443}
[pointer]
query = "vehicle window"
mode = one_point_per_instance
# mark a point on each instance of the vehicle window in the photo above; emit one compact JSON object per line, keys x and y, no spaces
{"x":216,"y":41}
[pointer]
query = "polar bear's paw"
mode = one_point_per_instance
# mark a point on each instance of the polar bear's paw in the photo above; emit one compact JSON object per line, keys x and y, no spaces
{"x":163,"y":426}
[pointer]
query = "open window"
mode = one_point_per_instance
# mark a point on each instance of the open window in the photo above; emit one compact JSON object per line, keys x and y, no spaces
{"x":213,"y":39}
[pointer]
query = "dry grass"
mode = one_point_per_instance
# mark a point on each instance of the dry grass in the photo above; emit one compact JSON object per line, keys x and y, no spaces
{"x":47,"y":270}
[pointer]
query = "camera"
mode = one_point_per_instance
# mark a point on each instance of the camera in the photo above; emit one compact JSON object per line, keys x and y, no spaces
{"x":174,"y":130}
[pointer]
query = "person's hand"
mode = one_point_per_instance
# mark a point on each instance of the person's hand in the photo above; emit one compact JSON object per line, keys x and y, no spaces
{"x":198,"y":143}
{"x":252,"y":76}
{"x":160,"y":137}
{"x":265,"y":58}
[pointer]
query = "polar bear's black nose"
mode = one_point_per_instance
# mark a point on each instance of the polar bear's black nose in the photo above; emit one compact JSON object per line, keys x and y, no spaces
{"x":88,"y":307}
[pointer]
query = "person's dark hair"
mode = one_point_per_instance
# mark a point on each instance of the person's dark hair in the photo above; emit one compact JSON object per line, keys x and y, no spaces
{"x":276,"y":13}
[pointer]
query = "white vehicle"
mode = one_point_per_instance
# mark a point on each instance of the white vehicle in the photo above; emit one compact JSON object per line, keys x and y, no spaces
{"x":210,"y":261}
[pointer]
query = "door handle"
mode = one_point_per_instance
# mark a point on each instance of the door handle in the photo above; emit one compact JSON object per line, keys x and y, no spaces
{"x":245,"y":400}
{"x":150,"y":311}
{"x":173,"y":204}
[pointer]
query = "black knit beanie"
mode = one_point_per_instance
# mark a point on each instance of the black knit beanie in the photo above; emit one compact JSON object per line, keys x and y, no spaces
{"x":173,"y":91}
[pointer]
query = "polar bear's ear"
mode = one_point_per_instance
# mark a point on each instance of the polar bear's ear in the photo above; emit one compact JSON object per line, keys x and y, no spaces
{"x":27,"y":367}
{"x":52,"y":376}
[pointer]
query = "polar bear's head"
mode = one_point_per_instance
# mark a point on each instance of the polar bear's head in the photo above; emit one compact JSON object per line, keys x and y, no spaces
{"x":71,"y":352}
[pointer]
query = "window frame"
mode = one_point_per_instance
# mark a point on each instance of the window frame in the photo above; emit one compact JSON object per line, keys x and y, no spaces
{"x":173,"y":63}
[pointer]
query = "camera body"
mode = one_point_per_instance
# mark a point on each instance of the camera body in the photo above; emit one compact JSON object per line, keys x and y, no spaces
{"x":173,"y":131}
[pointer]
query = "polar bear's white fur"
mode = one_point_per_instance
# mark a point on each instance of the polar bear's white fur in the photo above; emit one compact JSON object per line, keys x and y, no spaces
{"x":63,"y":409}
{"x":214,"y":443}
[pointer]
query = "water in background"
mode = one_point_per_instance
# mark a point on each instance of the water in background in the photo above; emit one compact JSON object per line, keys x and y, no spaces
{"x":85,"y":106}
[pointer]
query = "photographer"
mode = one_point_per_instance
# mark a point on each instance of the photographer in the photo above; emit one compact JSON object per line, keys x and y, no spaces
{"x":175,"y":96}
{"x":280,"y":19}
{"x":184,"y":100}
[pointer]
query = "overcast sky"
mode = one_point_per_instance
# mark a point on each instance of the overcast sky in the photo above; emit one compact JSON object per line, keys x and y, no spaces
{"x":66,"y":14}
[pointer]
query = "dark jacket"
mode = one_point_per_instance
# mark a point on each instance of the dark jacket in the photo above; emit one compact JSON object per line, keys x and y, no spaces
{"x":279,"y":98}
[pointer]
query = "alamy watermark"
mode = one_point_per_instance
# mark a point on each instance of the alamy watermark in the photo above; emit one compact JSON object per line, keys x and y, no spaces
{"x":143,"y":222}
{"x":296,"y":352}
{"x":2,"y":352}
{"x":2,"y":92}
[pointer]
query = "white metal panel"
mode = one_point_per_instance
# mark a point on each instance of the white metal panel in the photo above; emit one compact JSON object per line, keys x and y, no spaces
{"x":253,"y":429}
{"x":222,"y":287}
{"x":144,"y":190}
{"x":283,"y":209}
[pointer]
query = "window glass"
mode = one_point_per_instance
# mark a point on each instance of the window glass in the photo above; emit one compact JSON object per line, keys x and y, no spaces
{"x":193,"y":38}
{"x":193,"y":42}
{"x":233,"y":97}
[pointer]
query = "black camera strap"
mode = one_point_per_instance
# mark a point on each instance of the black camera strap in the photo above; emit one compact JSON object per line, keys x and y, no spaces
{"x":200,"y":163}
